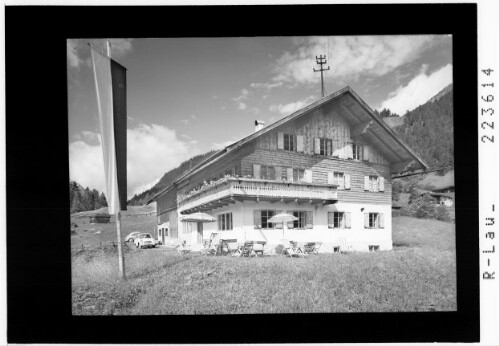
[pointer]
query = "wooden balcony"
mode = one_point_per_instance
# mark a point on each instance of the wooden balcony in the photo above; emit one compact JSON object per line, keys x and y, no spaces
{"x":231,"y":190}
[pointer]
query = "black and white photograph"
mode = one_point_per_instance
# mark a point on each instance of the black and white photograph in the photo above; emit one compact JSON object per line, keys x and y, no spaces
{"x":261,"y":175}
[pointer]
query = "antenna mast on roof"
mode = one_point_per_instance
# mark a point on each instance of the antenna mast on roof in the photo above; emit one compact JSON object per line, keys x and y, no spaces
{"x":321,"y":60}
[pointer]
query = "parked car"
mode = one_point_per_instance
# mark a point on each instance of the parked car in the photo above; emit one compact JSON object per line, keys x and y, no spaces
{"x":144,"y":240}
{"x":132,"y":236}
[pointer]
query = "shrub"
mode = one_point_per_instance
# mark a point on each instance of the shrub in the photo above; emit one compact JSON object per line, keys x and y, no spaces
{"x":422,"y":206}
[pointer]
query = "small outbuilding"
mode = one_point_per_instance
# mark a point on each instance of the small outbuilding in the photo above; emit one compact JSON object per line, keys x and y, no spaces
{"x":445,"y":199}
{"x":100,"y":218}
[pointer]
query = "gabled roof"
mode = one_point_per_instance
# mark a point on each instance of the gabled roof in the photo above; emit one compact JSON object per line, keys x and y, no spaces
{"x":358,"y":113}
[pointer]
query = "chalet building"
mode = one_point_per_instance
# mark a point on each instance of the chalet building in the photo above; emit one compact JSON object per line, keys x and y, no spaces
{"x":330,"y":164}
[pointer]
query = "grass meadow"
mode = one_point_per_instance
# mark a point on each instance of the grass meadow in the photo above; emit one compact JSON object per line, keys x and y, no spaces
{"x":418,"y":275}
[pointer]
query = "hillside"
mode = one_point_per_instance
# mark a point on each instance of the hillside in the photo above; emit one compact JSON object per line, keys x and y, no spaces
{"x":168,"y":178}
{"x":429,"y":130}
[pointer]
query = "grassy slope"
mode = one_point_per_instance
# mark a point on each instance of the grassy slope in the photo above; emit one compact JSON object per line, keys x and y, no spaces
{"x":419,"y":275}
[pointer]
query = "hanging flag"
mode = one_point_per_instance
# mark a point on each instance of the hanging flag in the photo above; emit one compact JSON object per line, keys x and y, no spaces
{"x":110,"y":85}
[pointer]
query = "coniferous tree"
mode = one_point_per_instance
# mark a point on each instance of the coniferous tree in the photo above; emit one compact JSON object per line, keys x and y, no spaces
{"x":102,"y":200}
{"x":76,"y":205}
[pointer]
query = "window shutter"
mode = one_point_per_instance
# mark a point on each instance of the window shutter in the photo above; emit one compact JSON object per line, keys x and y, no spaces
{"x":256,"y":171}
{"x":330,"y":220}
{"x":349,"y":151}
{"x":366,"y":182}
{"x":299,"y":144}
{"x":257,"y":219}
{"x":348,"y":220}
{"x":381,"y":183}
{"x":366,"y":220}
{"x":290,"y":224}
{"x":366,"y":153}
{"x":317,"y":146}
{"x":309,"y":220}
{"x":289,"y":173}
{"x":280,"y":140}
{"x":307,"y":176}
{"x":381,"y":220}
{"x":330,"y":178}
{"x":336,"y":148}
{"x":347,"y":181}
{"x":278,"y":172}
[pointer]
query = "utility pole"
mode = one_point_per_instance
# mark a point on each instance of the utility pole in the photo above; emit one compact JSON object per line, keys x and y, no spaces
{"x":321,"y":60}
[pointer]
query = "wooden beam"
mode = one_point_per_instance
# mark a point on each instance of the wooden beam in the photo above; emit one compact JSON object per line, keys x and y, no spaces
{"x":361,"y":128}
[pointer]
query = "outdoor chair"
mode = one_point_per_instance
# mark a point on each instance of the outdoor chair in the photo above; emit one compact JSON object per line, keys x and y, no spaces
{"x":233,"y":248}
{"x":295,"y":247}
{"x":309,"y":248}
{"x":247,"y":250}
{"x":293,"y":251}
{"x":211,"y":246}
{"x":182,"y":248}
{"x":317,"y":247}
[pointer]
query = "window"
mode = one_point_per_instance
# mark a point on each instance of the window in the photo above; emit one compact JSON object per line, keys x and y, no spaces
{"x":326,"y":147}
{"x":373,"y":221}
{"x":289,"y":142}
{"x":336,"y":220}
{"x":357,"y":151}
{"x":298,"y":174}
{"x":225,"y":222}
{"x":339,"y":179}
{"x":302,"y":219}
{"x":265,"y":216}
{"x":267,"y":172}
{"x":373,"y":184}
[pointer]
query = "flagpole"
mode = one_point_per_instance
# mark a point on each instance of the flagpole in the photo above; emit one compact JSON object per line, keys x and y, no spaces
{"x":121,"y":258}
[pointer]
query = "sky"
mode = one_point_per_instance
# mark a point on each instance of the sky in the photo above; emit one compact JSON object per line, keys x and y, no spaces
{"x":187,"y":96}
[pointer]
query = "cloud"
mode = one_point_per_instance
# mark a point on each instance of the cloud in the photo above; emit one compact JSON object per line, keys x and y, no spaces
{"x":293,"y":106}
{"x":78,"y":52}
{"x":349,"y":57}
{"x":419,"y":90}
{"x":239,"y":99}
{"x":152,"y":150}
{"x":266,"y":86}
{"x":121,"y":46}
{"x":185,"y":121}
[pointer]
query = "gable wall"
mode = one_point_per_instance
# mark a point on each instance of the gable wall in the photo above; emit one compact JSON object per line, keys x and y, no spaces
{"x":321,"y":123}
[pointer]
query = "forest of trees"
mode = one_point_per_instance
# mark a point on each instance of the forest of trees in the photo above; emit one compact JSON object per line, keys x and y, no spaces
{"x":429,"y":131}
{"x":168,"y":178}
{"x":82,"y":199}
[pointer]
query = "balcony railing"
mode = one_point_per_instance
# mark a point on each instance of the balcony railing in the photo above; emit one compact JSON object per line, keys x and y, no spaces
{"x":256,"y":188}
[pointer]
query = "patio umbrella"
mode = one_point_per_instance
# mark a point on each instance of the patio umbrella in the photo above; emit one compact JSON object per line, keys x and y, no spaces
{"x":284,"y":218}
{"x":198,"y":217}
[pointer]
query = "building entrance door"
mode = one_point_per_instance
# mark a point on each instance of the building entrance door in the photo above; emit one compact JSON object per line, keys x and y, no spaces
{"x":200,"y":232}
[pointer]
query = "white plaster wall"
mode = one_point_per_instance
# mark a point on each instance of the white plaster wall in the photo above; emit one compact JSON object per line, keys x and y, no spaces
{"x":357,"y":237}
